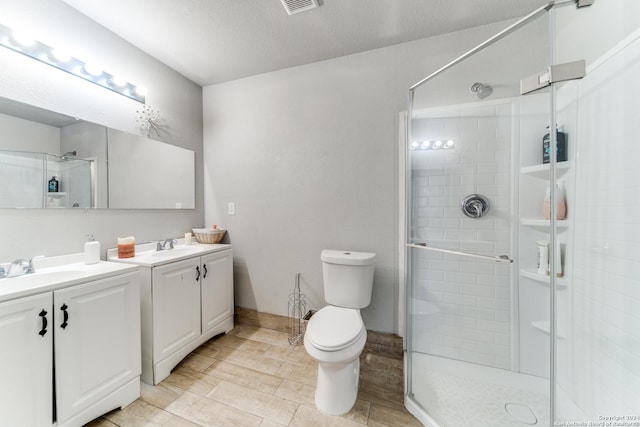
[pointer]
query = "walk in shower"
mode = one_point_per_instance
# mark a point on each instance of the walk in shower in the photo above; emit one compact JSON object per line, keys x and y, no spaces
{"x":522,"y":263}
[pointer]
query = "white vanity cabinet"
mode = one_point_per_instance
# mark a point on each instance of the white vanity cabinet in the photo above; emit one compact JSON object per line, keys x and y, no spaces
{"x":70,"y":352}
{"x":184,"y":303}
{"x":97,"y":345}
{"x":26,"y":371}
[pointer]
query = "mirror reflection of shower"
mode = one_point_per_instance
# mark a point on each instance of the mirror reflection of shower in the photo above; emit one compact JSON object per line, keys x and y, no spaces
{"x":481,"y":90}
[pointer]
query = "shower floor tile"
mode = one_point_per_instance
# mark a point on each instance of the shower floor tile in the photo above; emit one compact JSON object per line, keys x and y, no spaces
{"x":461,"y":394}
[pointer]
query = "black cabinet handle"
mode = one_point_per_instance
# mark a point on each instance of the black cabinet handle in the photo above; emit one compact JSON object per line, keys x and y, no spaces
{"x":43,"y":315}
{"x":204,"y":276}
{"x":66,"y":316}
{"x":198,"y":273}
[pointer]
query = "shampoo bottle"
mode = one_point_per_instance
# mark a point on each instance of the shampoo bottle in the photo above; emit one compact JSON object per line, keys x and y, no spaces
{"x":54,"y":185}
{"x":91,"y":250}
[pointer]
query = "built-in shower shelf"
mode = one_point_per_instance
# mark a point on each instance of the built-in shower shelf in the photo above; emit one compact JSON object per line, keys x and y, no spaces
{"x":542,"y":171}
{"x":531,"y":274}
{"x":544,"y":326}
{"x":543,"y":223}
{"x":56,"y":194}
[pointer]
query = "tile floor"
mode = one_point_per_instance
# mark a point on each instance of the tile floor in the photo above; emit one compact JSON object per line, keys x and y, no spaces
{"x":253,"y":377}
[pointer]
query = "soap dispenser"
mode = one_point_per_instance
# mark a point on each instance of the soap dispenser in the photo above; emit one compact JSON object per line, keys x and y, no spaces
{"x":91,"y":250}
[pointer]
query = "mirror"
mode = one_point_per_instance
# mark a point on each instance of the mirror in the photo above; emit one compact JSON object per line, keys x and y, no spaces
{"x":51,"y":160}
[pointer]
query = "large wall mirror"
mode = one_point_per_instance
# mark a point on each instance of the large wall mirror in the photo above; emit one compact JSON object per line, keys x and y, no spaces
{"x":50,"y":160}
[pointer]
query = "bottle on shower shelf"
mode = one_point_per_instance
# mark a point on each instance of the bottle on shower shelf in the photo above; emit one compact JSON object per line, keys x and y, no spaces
{"x":560,"y":203}
{"x":54,"y":185}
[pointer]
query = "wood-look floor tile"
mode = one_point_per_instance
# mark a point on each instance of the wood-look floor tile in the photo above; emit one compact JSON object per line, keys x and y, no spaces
{"x":269,"y":423}
{"x":250,"y":359}
{"x":243,"y":376}
{"x":297,"y":392}
{"x":382,"y":393}
{"x":307,"y":374}
{"x":380,"y":416}
{"x":307,"y":416}
{"x":197,"y":362}
{"x":291,"y":354}
{"x":268,"y":336}
{"x":240,"y":343}
{"x":384,"y":371}
{"x":139,"y":413}
{"x":160,"y":395}
{"x":254,"y":402}
{"x":100,"y":422}
{"x":210,"y":413}
{"x":190,"y":380}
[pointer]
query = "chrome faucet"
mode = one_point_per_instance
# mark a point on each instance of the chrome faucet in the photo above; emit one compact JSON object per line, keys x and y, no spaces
{"x":19,"y":267}
{"x":161,"y":246}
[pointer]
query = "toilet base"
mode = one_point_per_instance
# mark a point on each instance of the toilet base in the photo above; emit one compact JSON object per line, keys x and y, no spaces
{"x":337,"y":387}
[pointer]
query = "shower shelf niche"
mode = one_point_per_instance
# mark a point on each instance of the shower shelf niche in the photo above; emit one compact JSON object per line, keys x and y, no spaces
{"x":543,"y":223}
{"x":542,"y":171}
{"x":531,"y":274}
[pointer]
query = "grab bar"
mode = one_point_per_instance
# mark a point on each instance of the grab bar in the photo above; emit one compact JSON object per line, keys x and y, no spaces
{"x":498,"y":258}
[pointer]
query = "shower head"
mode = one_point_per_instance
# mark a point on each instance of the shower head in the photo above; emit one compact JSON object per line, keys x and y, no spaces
{"x":68,"y":154}
{"x":481,"y":90}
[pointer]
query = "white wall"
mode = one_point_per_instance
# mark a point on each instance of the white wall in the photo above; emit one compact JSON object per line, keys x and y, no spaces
{"x":309,"y":156}
{"x":179,"y":101}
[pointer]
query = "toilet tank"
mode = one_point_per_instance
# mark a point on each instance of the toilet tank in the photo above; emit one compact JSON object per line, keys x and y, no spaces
{"x":348,"y":277}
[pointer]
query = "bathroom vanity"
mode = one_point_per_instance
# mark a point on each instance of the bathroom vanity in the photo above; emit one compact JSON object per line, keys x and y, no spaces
{"x":186,"y":299}
{"x":93,"y":364}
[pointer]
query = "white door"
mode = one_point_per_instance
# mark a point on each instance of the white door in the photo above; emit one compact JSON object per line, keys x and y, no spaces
{"x":97,"y":348}
{"x":217,"y":288}
{"x":176,"y":306}
{"x":26,"y":365}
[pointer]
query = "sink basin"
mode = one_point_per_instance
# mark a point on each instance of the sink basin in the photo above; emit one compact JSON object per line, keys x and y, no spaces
{"x":178,"y":251}
{"x":43,"y":278}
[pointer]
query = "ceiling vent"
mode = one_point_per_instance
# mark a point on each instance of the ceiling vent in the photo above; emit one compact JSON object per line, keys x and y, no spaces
{"x":297,"y":6}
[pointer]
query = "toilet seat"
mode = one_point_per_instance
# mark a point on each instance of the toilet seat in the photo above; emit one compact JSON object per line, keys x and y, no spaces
{"x":334,"y":328}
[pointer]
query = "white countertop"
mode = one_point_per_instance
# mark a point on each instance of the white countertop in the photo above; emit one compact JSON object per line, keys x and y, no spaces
{"x":148,"y":256}
{"x":58,"y":272}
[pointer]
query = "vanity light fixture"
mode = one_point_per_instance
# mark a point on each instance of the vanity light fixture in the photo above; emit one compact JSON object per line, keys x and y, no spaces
{"x":432,"y":145}
{"x":22,"y":43}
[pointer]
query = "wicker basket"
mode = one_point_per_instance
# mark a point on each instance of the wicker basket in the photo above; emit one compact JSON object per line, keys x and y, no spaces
{"x":208,"y":235}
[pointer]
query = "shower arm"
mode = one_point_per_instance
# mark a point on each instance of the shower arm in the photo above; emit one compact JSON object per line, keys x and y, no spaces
{"x":498,"y":258}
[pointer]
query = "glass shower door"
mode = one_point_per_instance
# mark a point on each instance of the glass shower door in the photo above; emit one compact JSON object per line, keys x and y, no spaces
{"x":479,"y":311}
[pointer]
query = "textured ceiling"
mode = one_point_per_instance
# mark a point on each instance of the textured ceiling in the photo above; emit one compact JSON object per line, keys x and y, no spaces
{"x":212,"y":41}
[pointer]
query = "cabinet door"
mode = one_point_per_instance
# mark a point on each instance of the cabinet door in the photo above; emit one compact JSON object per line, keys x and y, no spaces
{"x":217,"y":288}
{"x":176,"y":306}
{"x":97,"y":347}
{"x":26,"y":366}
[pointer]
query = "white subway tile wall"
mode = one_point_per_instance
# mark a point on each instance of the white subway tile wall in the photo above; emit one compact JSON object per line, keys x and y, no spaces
{"x":606,"y":286}
{"x":470,"y":319}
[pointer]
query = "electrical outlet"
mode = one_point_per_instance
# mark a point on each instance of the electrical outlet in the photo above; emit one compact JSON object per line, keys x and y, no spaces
{"x":231,"y":208}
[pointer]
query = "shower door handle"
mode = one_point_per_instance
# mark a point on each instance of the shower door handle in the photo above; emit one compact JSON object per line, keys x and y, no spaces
{"x":496,"y":258}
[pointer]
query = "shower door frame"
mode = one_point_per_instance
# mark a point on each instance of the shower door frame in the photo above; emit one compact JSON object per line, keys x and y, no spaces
{"x":404,"y":199}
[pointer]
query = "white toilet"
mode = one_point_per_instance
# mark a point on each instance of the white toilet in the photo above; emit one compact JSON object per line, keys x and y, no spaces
{"x":335,"y":335}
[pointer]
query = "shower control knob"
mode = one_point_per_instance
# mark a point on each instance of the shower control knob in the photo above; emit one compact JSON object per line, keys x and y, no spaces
{"x":475,"y":206}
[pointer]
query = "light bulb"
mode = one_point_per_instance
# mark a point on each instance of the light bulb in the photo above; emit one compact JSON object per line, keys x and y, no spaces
{"x":437,"y":144}
{"x":93,"y":69}
{"x":141,"y":90}
{"x":425,"y":145}
{"x":22,"y":38}
{"x":414,"y":145}
{"x":449,"y":144}
{"x":118,"y":81}
{"x":60,"y":55}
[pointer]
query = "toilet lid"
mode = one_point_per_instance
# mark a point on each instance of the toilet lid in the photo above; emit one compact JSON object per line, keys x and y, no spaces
{"x":333,"y":328}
